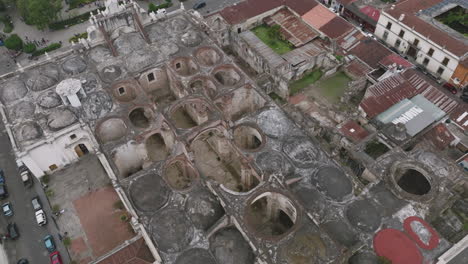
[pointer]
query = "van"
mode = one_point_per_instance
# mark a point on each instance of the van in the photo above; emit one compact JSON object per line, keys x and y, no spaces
{"x":36,"y":203}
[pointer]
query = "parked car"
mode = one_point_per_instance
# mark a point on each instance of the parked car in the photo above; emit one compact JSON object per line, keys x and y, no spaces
{"x":49,"y":243}
{"x":199,"y":5}
{"x":3,"y":191}
{"x":12,"y":231}
{"x":26,"y":176}
{"x":451,"y":88}
{"x":7,"y":209}
{"x":55,"y":258}
{"x":36,"y":203}
{"x":41,"y":217}
{"x":23,"y":261}
{"x":2,"y":176}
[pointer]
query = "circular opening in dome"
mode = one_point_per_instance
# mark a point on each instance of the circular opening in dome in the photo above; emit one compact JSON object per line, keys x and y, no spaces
{"x":413,"y":182}
{"x":203,"y":85}
{"x":180,"y":176}
{"x":138,"y":118}
{"x":271,"y":215}
{"x":248,"y":138}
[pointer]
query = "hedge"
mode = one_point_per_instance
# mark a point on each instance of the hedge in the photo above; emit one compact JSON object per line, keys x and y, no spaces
{"x":153,"y":8}
{"x":75,"y":38}
{"x":73,"y":20}
{"x":49,"y":48}
{"x":8,"y":28}
{"x":29,"y":48}
{"x":14,"y":42}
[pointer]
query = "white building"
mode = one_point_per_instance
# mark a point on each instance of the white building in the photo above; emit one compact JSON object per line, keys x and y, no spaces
{"x":410,"y":28}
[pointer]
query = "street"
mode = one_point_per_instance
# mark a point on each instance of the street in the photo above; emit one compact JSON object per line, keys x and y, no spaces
{"x":30,"y":243}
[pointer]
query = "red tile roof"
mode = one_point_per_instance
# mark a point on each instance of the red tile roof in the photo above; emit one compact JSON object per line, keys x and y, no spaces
{"x":410,"y":8}
{"x":336,"y":28}
{"x":292,"y":27}
{"x":242,"y":11}
{"x":326,"y":21}
{"x":371,"y":12}
{"x":460,"y":116}
{"x":407,"y":84}
{"x":397,"y":59}
{"x":357,"y":68}
{"x":440,"y":136}
{"x":354,"y":131}
{"x":135,"y":253}
{"x":370,"y":51}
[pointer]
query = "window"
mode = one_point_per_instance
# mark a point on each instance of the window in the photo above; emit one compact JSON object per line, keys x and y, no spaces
{"x":416,"y":42}
{"x":440,"y":70}
{"x":397,"y":43}
{"x":177,"y":65}
{"x":239,"y":30}
{"x":389,"y":25}
{"x":430,"y":52}
{"x":425,"y":62}
{"x":150,"y":77}
{"x":445,"y":61}
{"x":72,"y":136}
{"x":402,"y":33}
{"x":385,"y":35}
{"x":121,"y":90}
{"x":53,"y":167}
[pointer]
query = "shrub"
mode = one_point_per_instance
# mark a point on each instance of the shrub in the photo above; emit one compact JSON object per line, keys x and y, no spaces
{"x":77,"y":37}
{"x":73,"y":20}
{"x":119,"y":205}
{"x":124,"y":218}
{"x":55,"y":208}
{"x":14,"y":42}
{"x":45,"y":179}
{"x":8,"y":24}
{"x":153,"y":8}
{"x":29,"y":48}
{"x":67,"y":241}
{"x":49,"y":48}
{"x":49,"y":193}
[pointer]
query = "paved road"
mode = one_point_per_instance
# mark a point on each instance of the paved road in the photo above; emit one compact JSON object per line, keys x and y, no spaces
{"x":29,"y":244}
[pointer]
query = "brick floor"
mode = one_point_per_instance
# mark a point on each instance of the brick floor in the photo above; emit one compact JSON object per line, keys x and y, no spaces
{"x":100,"y":221}
{"x":78,"y":246}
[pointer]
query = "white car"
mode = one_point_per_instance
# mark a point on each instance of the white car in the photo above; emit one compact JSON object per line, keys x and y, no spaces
{"x":41,"y":217}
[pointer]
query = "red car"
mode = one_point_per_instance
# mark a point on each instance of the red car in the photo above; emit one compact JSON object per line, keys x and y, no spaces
{"x":55,"y":258}
{"x":451,"y":88}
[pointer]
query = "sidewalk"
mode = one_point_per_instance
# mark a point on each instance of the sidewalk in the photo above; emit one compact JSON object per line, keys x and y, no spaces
{"x":3,"y":256}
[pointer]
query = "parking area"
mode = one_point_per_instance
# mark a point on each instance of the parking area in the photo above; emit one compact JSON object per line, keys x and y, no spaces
{"x":84,"y":194}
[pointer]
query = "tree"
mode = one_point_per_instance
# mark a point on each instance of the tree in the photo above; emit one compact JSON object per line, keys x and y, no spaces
{"x":14,"y":42}
{"x":39,"y":12}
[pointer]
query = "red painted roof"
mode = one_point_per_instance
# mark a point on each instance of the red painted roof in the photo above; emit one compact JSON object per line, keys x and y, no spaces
{"x":242,"y":11}
{"x":371,"y":12}
{"x":397,"y":59}
{"x":433,"y":242}
{"x":321,"y":18}
{"x":442,"y":38}
{"x":397,"y":247}
{"x":354,"y":131}
{"x":440,"y":136}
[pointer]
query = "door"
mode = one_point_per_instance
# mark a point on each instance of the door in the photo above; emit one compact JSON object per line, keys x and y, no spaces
{"x":81,"y":150}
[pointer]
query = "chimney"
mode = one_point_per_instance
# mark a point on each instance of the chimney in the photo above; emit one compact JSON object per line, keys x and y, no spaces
{"x":402,"y":16}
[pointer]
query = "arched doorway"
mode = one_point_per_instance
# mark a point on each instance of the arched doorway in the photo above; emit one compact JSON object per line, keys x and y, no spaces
{"x":81,"y":150}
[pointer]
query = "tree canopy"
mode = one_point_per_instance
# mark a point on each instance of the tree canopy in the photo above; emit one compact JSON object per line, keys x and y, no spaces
{"x":39,"y":12}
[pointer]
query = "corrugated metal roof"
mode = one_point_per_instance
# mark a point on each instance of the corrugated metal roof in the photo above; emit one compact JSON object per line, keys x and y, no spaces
{"x":440,"y":136}
{"x":296,"y":56}
{"x":354,"y":131}
{"x":274,"y":60}
{"x":460,"y":116}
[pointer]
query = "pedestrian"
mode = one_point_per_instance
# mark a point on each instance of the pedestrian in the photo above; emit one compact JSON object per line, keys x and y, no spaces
{"x":26,"y":38}
{"x":43,"y":41}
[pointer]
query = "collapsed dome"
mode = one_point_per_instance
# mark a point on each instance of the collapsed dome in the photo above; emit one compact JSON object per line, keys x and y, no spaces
{"x":191,"y":38}
{"x":204,"y":85}
{"x":190,"y":113}
{"x":180,"y":176}
{"x":149,"y":193}
{"x":249,"y":138}
{"x":49,"y":99}
{"x":12,"y":90}
{"x":184,"y":66}
{"x":271,"y":215}
{"x":42,"y":77}
{"x":140,"y":117}
{"x":97,"y":105}
{"x":208,"y":56}
{"x":74,"y":65}
{"x":156,"y":147}
{"x":28,"y":131}
{"x":111,"y":129}
{"x":412,"y":181}
{"x":22,"y":110}
{"x":110,"y":73}
{"x":129,"y":158}
{"x":227,"y":75}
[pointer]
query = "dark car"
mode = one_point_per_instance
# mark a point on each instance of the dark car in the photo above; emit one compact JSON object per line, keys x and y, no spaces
{"x":199,"y":5}
{"x":3,"y":191}
{"x":55,"y":258}
{"x":25,"y":175}
{"x":49,"y":243}
{"x":12,"y":231}
{"x":2,"y":176}
{"x":23,"y":261}
{"x":451,"y":88}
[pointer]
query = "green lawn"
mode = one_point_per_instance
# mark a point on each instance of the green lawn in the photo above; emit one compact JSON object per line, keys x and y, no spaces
{"x":275,"y":43}
{"x":307,"y":80}
{"x":334,"y":87}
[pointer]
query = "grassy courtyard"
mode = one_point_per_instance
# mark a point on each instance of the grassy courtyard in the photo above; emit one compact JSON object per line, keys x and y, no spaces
{"x":272,"y":38}
{"x":334,"y":87}
{"x":305,"y":81}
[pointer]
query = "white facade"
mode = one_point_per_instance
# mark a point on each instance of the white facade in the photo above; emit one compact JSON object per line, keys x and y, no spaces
{"x":58,"y":150}
{"x":433,"y":63}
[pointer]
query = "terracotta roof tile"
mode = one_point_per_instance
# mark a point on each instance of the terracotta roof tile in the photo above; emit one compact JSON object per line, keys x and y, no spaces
{"x":440,"y":136}
{"x":370,"y":51}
